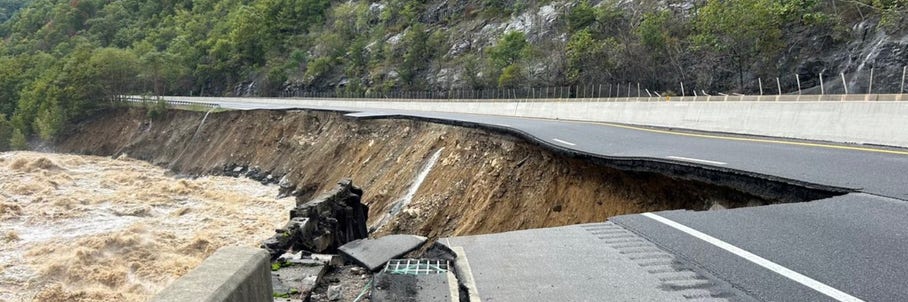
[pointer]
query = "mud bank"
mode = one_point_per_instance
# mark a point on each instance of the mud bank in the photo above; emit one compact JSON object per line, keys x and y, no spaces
{"x":480,"y":182}
{"x":84,"y":228}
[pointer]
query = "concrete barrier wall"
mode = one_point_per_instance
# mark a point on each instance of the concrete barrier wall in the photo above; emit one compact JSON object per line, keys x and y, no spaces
{"x":866,"y":119}
{"x":232,"y":274}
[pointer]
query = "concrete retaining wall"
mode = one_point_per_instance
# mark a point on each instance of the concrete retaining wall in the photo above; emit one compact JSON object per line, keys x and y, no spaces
{"x":866,"y":119}
{"x":232,"y":274}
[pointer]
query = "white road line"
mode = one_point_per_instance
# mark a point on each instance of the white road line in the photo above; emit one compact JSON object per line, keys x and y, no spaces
{"x":462,"y":265}
{"x":696,"y":160}
{"x":772,"y":266}
{"x":453,"y":289}
{"x":564,"y":142}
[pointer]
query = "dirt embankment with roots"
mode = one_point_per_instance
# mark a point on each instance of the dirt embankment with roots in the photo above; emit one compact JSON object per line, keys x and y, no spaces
{"x":479,"y":182}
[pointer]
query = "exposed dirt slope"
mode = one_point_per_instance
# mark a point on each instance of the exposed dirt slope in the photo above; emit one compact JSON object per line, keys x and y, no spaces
{"x":481,"y":183}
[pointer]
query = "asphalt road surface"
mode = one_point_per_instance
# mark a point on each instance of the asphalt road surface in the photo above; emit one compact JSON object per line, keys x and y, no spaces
{"x":846,"y":248}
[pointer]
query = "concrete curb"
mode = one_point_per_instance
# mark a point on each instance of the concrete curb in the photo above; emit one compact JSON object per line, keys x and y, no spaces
{"x":232,"y":274}
{"x":864,"y":119}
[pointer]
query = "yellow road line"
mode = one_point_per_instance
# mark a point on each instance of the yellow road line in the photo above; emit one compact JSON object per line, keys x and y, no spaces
{"x":758,"y":140}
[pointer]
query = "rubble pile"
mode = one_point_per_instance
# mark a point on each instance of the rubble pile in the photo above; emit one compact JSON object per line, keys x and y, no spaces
{"x":323,"y":224}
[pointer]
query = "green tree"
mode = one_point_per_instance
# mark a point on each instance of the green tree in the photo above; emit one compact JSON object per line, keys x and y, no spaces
{"x":49,"y":121}
{"x":6,"y":132}
{"x":317,"y":68}
{"x":511,"y":77}
{"x":742,"y":31}
{"x":893,"y":14}
{"x":160,"y":69}
{"x":116,"y":71}
{"x":17,"y":140}
{"x":611,"y":20}
{"x":662,"y":34}
{"x":419,"y":50}
{"x":581,"y":16}
{"x":9,"y":7}
{"x":589,"y":60}
{"x":510,"y":48}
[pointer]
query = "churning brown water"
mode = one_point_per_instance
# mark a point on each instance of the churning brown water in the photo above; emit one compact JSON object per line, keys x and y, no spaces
{"x":84,"y":228}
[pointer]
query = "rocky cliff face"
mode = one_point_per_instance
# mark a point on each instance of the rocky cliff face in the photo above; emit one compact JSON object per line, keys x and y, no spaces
{"x":464,"y":31}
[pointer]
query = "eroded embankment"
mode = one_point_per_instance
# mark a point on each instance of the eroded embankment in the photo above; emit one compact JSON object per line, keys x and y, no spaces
{"x":480,"y":182}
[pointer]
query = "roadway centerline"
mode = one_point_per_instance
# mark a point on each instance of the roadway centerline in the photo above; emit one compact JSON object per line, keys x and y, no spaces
{"x":772,"y":266}
{"x":564,"y":142}
{"x":697,"y":160}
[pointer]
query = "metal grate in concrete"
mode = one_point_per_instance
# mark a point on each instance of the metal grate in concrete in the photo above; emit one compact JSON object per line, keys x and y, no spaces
{"x":416,"y":267}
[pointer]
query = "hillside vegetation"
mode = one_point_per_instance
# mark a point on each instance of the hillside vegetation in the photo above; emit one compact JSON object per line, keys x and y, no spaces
{"x":60,"y":60}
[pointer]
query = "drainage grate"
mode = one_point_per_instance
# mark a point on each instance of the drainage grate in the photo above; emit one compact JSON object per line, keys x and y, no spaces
{"x":416,"y":267}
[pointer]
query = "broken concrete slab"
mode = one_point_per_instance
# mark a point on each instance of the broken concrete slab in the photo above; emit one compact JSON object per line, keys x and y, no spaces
{"x":374,"y":253}
{"x":299,"y":279}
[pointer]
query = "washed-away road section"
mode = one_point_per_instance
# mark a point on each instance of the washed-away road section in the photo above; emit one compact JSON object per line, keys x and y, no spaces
{"x":846,"y":248}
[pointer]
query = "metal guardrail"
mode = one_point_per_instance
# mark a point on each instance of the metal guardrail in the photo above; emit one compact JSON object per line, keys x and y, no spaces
{"x":145,"y":100}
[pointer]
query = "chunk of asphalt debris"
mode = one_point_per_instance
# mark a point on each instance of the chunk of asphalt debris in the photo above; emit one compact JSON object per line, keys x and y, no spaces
{"x":374,"y":253}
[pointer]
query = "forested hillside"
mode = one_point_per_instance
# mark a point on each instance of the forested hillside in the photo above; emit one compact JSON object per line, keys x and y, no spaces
{"x":9,"y":7}
{"x":60,"y":60}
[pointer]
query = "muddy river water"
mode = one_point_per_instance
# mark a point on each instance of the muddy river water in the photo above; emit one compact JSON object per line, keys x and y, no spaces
{"x":84,"y":228}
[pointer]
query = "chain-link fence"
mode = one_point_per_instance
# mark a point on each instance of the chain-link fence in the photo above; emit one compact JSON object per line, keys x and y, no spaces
{"x":862,"y":84}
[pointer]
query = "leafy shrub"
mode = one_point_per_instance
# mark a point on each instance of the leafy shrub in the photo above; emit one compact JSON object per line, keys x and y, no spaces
{"x":157,"y":109}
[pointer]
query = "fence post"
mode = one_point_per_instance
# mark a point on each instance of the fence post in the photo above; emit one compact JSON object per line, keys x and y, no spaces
{"x":760,"y":82}
{"x":844,"y":84}
{"x":870,"y":86}
{"x":778,"y":85}
{"x":822,"y":89}
{"x":682,"y":90}
{"x":902,"y":87}
{"x":638,"y":89}
{"x":798,"y":78}
{"x":599,"y":95}
{"x":618,"y":90}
